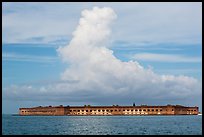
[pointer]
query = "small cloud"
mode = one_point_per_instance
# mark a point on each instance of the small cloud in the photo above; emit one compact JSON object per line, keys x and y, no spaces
{"x":165,"y":58}
{"x":6,"y":56}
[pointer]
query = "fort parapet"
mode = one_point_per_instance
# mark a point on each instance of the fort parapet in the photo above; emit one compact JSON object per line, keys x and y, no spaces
{"x":109,"y":110}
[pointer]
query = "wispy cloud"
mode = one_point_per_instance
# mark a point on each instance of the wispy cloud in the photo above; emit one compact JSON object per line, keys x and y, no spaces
{"x":128,"y":46}
{"x":165,"y":57}
{"x":32,"y":45}
{"x":28,"y":58}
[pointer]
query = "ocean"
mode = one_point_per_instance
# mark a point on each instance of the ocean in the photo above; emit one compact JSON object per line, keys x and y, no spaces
{"x":102,"y":125}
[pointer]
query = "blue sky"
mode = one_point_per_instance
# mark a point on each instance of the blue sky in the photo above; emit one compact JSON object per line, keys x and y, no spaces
{"x":163,"y":37}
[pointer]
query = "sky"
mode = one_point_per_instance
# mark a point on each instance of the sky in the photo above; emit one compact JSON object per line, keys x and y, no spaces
{"x":101,"y":54}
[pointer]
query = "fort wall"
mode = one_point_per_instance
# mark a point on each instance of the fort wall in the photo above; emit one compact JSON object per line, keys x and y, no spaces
{"x":110,"y":110}
{"x":42,"y":111}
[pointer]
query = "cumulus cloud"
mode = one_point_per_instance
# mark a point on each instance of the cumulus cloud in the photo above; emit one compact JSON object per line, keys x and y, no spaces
{"x":101,"y":76}
{"x":95,"y":66}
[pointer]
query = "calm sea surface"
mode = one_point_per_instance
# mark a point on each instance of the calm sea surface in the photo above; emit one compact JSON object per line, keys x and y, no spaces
{"x":101,"y":125}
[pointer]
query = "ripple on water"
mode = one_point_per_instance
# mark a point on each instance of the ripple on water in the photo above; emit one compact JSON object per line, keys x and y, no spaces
{"x":116,"y":125}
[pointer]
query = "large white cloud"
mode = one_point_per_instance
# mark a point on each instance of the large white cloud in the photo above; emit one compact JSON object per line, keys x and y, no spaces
{"x":99,"y":75}
{"x":95,"y":66}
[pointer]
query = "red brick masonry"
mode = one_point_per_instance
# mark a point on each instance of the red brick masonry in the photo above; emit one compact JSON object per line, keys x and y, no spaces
{"x":109,"y":110}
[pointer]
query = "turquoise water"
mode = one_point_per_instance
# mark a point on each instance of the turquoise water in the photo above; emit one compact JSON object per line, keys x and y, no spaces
{"x":101,"y":125}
